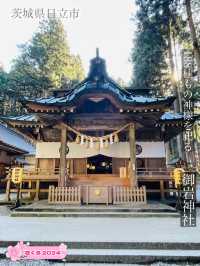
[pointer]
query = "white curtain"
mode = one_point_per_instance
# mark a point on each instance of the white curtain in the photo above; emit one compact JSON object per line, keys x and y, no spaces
{"x":117,"y":150}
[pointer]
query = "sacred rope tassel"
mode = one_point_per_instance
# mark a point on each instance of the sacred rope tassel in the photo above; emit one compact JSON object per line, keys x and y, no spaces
{"x":111,"y":139}
{"x":101,"y":143}
{"x":91,"y":143}
{"x":87,"y":143}
{"x":116,"y":138}
{"x":82,"y":140}
{"x":106,"y":143}
{"x":97,"y":145}
{"x":77,"y":139}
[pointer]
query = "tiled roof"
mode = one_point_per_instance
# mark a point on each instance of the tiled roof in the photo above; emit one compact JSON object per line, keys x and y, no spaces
{"x":171,"y":116}
{"x":26,"y":117}
{"x":98,"y":81}
{"x":88,"y":87}
{"x":12,"y":138}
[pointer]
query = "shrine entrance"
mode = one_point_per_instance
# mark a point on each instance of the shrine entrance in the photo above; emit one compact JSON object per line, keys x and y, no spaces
{"x":99,"y":164}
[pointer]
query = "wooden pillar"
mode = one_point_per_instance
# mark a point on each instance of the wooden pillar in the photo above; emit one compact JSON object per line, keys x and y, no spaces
{"x":30,"y":187}
{"x":162,"y":192}
{"x":8,"y":185}
{"x":62,"y":179}
{"x":37,"y":164}
{"x":133,"y":177}
{"x":37,"y":190}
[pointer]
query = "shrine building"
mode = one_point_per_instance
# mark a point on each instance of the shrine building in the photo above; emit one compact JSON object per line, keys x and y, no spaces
{"x":99,"y":141}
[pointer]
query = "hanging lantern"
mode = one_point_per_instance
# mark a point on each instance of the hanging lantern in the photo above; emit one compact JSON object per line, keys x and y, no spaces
{"x":91,"y":143}
{"x":82,"y":140}
{"x":106,"y":143}
{"x":116,"y":138}
{"x":101,"y":143}
{"x":111,"y":138}
{"x":77,"y":139}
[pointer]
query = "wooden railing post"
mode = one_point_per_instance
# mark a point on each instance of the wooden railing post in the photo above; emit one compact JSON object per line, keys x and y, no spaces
{"x":8,"y":190}
{"x":37,"y":190}
{"x":132,"y":144}
{"x":64,"y":195}
{"x":162,"y":192}
{"x":145,"y":194}
{"x":63,"y":172}
{"x":129,"y":195}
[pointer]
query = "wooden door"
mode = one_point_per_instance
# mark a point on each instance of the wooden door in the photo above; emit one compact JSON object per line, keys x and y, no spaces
{"x":80,"y":166}
{"x":46,"y":164}
{"x":117,"y":163}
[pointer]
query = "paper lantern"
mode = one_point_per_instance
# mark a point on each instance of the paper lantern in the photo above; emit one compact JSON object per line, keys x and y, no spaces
{"x":17,"y":175}
{"x":177,"y":175}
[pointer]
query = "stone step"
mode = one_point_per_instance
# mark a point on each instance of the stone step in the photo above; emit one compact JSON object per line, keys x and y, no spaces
{"x":93,"y":214}
{"x":113,"y":245}
{"x":92,"y":209}
{"x":128,"y":256}
{"x":131,"y":256}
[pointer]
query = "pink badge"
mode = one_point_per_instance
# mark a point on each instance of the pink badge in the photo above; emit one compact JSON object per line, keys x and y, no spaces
{"x":23,"y":251}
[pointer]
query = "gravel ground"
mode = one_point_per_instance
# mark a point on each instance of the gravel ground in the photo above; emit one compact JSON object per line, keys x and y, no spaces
{"x":165,"y":223}
{"x":96,"y":229}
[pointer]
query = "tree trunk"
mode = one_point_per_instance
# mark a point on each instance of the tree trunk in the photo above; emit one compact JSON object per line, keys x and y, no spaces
{"x":177,"y":103}
{"x":193,"y":34}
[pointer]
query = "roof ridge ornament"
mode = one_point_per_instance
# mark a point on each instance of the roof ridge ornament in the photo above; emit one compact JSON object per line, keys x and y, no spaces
{"x":97,"y":52}
{"x":97,"y":70}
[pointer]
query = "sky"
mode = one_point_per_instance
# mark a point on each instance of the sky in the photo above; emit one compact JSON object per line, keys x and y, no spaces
{"x":105,"y":24}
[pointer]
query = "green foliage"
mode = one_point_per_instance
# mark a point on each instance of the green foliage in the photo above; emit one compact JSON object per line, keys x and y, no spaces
{"x":8,"y":95}
{"x":157,"y":22}
{"x":3,"y":81}
{"x":45,"y":63}
{"x":3,"y":85}
{"x":46,"y":60}
{"x":148,"y":54}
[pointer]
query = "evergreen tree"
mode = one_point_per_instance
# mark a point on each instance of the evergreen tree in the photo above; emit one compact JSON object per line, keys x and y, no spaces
{"x":160,"y":24}
{"x":193,"y":33}
{"x":150,"y":69}
{"x":3,"y":87}
{"x":45,"y":61}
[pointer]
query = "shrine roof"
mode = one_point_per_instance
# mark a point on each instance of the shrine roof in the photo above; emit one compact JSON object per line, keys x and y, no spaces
{"x":99,"y":83}
{"x":26,"y":117}
{"x":70,"y":98}
{"x":15,"y":140}
{"x":167,"y":116}
{"x":171,"y":116}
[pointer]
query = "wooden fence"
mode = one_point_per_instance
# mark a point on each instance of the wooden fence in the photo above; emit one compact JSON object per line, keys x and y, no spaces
{"x":65,"y":195}
{"x":123,"y":195}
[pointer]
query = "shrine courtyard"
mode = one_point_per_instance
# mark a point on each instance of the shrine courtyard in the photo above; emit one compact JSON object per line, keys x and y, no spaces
{"x":100,"y":240}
